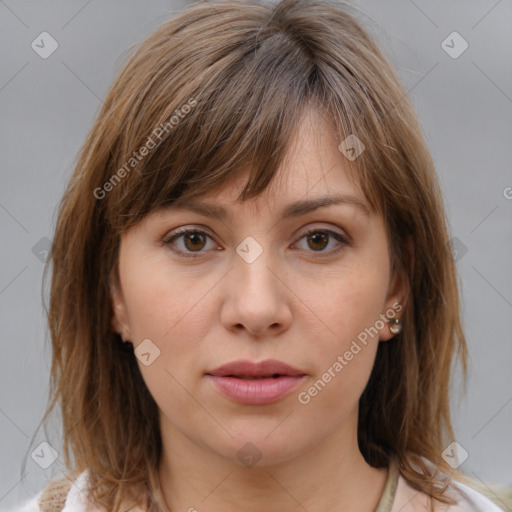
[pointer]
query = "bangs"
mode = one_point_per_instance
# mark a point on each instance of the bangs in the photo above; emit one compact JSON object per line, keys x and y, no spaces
{"x":235,"y":121}
{"x":239,"y":112}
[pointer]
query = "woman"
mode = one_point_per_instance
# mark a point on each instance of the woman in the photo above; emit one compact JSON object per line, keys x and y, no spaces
{"x":254,"y":303}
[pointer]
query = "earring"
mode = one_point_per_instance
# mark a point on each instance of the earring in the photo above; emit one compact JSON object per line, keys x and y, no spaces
{"x":394,"y":325}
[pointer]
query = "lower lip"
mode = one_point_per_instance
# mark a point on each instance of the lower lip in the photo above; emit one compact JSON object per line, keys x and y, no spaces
{"x":256,"y":391}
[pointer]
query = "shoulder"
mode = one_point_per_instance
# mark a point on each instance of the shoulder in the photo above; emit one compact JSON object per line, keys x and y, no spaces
{"x":67,"y":494}
{"x":64,"y":494}
{"x":408,"y":499}
{"x":29,"y":505}
{"x":470,"y":499}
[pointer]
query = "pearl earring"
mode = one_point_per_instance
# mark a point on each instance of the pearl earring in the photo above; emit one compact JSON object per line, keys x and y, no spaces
{"x":394,"y":325}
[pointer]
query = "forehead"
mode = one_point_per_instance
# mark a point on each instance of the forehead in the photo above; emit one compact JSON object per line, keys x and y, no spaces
{"x":313,"y":167}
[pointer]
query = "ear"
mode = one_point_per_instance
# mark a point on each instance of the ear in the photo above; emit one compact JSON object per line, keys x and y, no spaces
{"x":398,"y":291}
{"x":120,"y":315}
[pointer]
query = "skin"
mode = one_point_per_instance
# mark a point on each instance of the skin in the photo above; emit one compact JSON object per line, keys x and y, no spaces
{"x":301,"y":302}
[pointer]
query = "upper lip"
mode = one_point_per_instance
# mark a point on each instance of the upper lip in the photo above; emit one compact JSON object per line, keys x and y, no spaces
{"x":245,"y":367}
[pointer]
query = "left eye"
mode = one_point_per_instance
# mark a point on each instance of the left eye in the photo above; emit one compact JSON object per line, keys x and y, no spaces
{"x":318,"y":239}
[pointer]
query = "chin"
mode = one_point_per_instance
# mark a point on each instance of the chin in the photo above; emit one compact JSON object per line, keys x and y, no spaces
{"x":258,"y":447}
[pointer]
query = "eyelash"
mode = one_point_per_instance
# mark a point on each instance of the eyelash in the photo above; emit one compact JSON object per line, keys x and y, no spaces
{"x":174,"y":236}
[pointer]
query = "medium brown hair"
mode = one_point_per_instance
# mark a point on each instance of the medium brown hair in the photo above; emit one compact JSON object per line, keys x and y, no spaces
{"x":220,"y":88}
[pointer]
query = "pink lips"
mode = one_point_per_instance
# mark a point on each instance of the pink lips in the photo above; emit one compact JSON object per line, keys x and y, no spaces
{"x":252,"y":383}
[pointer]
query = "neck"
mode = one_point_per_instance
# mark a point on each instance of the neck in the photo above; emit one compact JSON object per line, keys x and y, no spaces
{"x":332,"y":475}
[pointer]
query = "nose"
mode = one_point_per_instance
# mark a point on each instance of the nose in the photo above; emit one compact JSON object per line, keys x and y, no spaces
{"x":257,"y":299}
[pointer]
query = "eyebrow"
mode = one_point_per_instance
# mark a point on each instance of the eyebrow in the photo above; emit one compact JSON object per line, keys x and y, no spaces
{"x":295,"y":209}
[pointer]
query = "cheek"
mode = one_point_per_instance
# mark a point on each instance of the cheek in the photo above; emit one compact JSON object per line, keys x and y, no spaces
{"x":161,"y":301}
{"x":174,"y":311}
{"x":346,"y":347}
{"x":351,"y":304}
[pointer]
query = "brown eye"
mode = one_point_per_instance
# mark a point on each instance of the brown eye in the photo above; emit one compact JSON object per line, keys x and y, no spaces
{"x":190,"y":241}
{"x":194,"y":241}
{"x":318,"y":241}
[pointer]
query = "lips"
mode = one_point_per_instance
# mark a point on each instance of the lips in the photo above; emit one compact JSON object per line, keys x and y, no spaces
{"x":246,"y":369}
{"x":250,"y":383}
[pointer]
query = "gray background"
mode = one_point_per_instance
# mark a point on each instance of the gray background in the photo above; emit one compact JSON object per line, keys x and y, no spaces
{"x":464,"y":105}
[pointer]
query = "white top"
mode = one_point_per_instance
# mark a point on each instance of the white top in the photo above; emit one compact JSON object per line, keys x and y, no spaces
{"x":406,"y":499}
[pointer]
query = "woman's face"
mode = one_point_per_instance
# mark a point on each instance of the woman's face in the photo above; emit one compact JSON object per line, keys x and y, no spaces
{"x":253,"y":285}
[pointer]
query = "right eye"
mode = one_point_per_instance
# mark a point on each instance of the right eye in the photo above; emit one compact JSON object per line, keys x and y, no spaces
{"x":191,"y":240}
